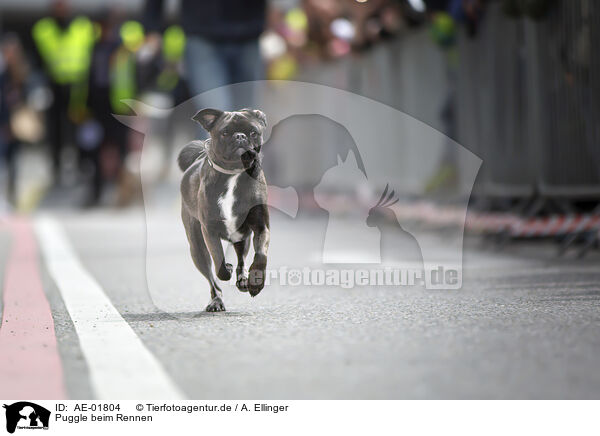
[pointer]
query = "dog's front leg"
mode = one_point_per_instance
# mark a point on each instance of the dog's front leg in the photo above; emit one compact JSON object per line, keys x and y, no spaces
{"x":213,"y":242}
{"x":257,"y":272}
{"x":241,"y":249}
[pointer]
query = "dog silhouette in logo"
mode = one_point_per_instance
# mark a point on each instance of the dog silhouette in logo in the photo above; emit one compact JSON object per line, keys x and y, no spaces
{"x":396,"y":243}
{"x":290,"y":161}
{"x":28,"y":417}
{"x":26,"y":414}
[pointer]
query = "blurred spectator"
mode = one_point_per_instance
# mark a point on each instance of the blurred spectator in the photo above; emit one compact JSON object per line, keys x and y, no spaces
{"x":106,"y":79}
{"x":13,"y":78}
{"x":320,"y":16}
{"x":339,"y":27}
{"x":159,"y":76}
{"x":222,"y":41}
{"x":64,"y":46}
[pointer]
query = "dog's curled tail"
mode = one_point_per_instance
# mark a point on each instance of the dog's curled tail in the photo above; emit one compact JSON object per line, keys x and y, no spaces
{"x":190,"y":154}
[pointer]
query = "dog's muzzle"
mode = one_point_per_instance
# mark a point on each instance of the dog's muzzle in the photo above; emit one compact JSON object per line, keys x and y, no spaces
{"x":240,"y":137}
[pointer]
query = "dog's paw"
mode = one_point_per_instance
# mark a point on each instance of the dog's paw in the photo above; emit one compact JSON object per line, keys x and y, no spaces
{"x":225,"y":271}
{"x":242,"y":282}
{"x":256,"y":280}
{"x":216,"y":305}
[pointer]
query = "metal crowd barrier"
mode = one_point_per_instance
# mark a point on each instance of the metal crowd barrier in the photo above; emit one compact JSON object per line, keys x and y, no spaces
{"x":528,"y":101}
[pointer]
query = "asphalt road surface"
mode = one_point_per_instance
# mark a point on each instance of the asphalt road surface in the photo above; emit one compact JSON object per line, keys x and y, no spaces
{"x":524,"y":325}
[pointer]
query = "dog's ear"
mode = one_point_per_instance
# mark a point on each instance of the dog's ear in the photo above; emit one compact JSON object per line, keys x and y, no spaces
{"x":259,"y":115}
{"x":208,"y":117}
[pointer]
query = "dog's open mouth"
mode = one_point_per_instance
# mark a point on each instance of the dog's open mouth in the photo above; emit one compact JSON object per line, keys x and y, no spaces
{"x":243,"y":155}
{"x":248,"y":158}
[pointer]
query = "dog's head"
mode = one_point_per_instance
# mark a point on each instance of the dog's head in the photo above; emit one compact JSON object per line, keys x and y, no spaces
{"x":236,"y":137}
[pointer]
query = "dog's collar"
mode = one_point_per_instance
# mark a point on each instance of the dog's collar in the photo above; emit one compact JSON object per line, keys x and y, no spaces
{"x":218,"y":167}
{"x":224,"y":170}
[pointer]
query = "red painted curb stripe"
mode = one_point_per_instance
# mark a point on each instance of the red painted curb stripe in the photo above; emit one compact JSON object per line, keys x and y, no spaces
{"x":30,"y":366}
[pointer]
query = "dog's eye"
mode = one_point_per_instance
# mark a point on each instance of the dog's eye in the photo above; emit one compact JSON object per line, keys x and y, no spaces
{"x":254,"y":134}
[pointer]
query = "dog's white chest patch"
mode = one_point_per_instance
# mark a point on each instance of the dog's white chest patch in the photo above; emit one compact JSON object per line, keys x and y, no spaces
{"x":226,"y":202}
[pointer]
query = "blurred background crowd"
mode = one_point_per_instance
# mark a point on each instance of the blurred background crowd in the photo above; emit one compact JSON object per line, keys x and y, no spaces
{"x":515,"y":81}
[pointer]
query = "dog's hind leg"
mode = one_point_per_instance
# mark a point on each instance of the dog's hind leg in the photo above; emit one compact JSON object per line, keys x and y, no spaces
{"x":241,"y":249}
{"x":201,"y":258}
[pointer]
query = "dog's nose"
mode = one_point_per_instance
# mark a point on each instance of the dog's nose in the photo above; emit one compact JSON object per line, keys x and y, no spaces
{"x":240,"y":137}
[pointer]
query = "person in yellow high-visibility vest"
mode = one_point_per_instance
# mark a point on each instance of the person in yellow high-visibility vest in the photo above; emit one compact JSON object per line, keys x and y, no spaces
{"x":123,"y":80}
{"x":65,"y":47}
{"x":161,"y":66}
{"x":113,"y":79}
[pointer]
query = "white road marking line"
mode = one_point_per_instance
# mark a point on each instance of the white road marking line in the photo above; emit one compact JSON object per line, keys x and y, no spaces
{"x":120,"y":365}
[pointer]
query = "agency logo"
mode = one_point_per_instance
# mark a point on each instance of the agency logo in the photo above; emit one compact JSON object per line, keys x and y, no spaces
{"x":350,"y":182}
{"x":26,"y":415}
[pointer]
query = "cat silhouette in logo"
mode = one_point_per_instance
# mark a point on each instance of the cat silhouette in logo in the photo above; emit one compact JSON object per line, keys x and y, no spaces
{"x":31,"y":413}
{"x":397,"y":245}
{"x":348,"y":239}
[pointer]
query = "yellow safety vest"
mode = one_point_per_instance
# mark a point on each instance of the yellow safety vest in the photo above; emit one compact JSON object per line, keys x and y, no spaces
{"x":67,"y":52}
{"x":123,"y":84}
{"x":122,"y":80}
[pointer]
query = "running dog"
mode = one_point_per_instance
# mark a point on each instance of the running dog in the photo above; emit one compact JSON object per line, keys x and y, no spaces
{"x":224,"y":197}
